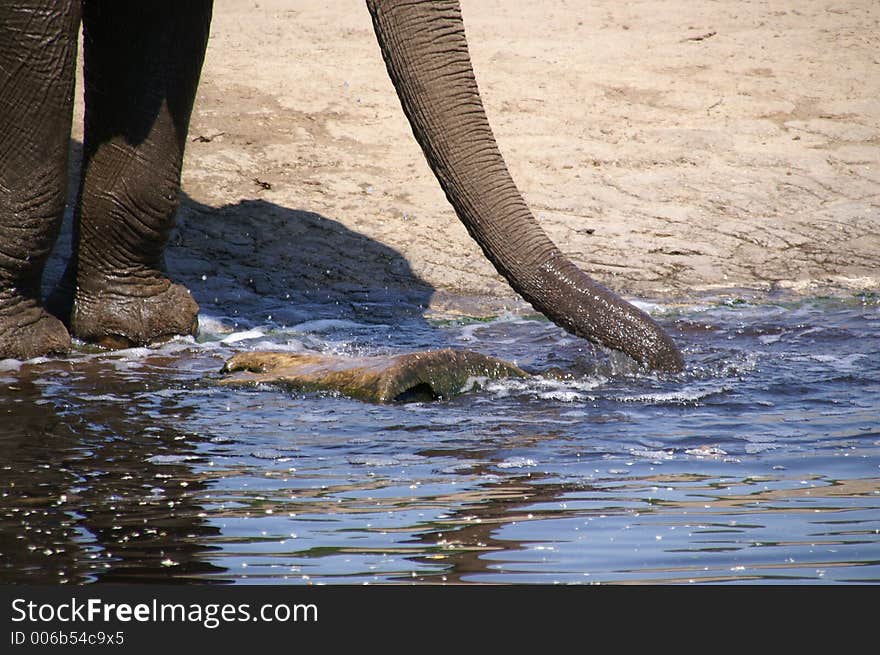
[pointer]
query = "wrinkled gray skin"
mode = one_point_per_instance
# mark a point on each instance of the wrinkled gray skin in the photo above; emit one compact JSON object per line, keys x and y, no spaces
{"x":142,"y":65}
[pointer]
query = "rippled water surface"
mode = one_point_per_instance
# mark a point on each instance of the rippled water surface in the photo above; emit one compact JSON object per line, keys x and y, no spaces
{"x":760,"y":463}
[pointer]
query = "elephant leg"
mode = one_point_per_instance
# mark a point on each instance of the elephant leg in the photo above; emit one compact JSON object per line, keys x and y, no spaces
{"x":142,"y":66}
{"x":38,"y":42}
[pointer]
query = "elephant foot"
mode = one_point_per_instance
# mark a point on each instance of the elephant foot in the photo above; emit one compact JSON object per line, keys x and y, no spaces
{"x":27,"y":330}
{"x":115,"y":319}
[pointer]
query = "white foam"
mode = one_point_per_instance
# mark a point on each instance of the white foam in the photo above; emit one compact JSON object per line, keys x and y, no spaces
{"x":652,"y":454}
{"x":290,"y":345}
{"x":706,"y":451}
{"x":564,"y":396}
{"x":648,"y":307}
{"x":213,"y":325}
{"x":474,"y":382}
{"x":235,"y":337}
{"x":686,"y":395}
{"x":547,"y":388}
{"x":517,"y":463}
{"x":127,"y":359}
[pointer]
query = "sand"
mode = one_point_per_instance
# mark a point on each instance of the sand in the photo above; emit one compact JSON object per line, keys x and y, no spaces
{"x":667,"y":147}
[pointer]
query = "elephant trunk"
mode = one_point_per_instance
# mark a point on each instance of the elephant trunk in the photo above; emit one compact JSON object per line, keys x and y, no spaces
{"x":426,"y":53}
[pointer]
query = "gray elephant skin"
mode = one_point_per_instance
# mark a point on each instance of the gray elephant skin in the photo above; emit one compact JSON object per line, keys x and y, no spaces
{"x":142,"y":62}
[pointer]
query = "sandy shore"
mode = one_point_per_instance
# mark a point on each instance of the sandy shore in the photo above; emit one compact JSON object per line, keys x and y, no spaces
{"x":667,"y":147}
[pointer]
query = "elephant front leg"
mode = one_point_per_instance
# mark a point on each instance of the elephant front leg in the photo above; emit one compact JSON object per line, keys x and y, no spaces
{"x":142,"y":65}
{"x":37,"y":62}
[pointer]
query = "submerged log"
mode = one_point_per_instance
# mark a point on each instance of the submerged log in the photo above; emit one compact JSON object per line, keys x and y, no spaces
{"x":425,"y":375}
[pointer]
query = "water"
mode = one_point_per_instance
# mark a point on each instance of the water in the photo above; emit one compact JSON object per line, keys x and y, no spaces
{"x":761,"y":462}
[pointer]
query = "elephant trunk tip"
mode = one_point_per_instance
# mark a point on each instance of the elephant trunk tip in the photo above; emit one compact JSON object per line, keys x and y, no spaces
{"x":666,"y":357}
{"x":653,"y":348}
{"x":652,"y":345}
{"x":648,"y":344}
{"x":642,"y":338}
{"x":586,"y":308}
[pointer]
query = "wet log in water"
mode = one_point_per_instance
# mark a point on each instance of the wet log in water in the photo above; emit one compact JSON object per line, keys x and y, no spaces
{"x":426,"y":375}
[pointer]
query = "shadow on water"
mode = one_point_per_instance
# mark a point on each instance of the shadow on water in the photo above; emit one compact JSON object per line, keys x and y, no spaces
{"x":95,"y":484}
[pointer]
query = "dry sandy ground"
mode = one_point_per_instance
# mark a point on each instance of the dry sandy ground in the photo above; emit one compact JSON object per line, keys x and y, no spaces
{"x":666,"y":146}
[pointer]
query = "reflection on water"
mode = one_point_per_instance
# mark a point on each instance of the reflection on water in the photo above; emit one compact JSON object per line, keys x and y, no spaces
{"x":83,"y":495}
{"x":760,"y":463}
